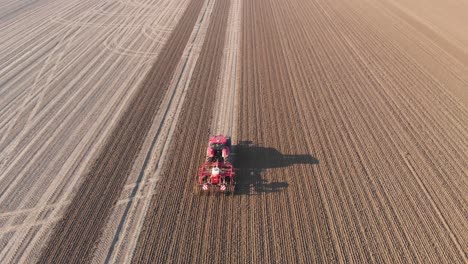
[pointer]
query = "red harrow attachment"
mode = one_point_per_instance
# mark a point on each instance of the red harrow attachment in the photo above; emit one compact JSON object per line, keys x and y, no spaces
{"x":216,"y":176}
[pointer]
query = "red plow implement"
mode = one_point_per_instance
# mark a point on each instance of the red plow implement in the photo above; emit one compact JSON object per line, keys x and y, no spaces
{"x":216,"y":177}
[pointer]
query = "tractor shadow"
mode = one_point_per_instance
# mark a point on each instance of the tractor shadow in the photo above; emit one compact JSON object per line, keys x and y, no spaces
{"x":251,"y":161}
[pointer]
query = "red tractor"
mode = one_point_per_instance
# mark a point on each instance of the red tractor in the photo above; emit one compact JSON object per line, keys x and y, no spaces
{"x":219,"y":148}
{"x":217,"y":173}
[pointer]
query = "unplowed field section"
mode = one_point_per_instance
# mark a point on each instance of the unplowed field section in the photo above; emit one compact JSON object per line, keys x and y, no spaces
{"x":352,"y":145}
{"x":74,"y":237}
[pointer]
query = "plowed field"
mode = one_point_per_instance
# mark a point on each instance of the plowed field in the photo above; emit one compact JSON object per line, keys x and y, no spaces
{"x":349,"y":120}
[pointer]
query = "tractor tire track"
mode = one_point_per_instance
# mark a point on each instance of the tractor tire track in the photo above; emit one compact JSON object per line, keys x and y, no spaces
{"x":125,"y":235}
{"x":75,"y":236}
{"x":159,"y":223}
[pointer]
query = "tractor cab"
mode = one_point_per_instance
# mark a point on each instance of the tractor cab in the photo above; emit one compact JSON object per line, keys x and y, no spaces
{"x":219,"y":148}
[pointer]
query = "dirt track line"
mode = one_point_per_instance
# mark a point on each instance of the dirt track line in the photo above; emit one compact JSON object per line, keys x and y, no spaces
{"x":225,"y":110}
{"x":422,"y":147}
{"x":40,"y":134}
{"x":25,"y":227}
{"x":29,"y":94}
{"x":286,"y":80}
{"x":298,"y":101}
{"x":339,"y":73}
{"x":203,"y":83}
{"x":431,"y":49}
{"x":407,"y":159}
{"x":74,"y":237}
{"x":437,"y":83}
{"x":43,"y":199}
{"x":50,"y":189}
{"x":77,"y":29}
{"x":39,"y":120}
{"x":19,"y":137}
{"x":84,"y":146}
{"x":126,"y":235}
{"x":96,"y":58}
{"x":366,"y":170}
{"x":74,"y":25}
{"x":450,"y":47}
{"x":389,"y":97}
{"x":327,"y":192}
{"x":363,"y":158}
{"x":16,"y":173}
{"x":51,"y":219}
{"x":39,"y":37}
{"x":437,"y":122}
{"x":374,"y":110}
{"x":58,"y":204}
{"x":422,"y":115}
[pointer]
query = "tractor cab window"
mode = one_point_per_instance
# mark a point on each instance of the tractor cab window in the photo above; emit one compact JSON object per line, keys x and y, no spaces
{"x":217,"y":146}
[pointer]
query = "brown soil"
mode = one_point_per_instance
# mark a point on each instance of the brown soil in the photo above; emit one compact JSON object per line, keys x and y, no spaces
{"x":344,"y":154}
{"x":349,"y":122}
{"x":190,"y":140}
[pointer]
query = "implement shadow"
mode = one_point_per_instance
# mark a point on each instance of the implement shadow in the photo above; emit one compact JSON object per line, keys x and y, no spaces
{"x":251,"y":161}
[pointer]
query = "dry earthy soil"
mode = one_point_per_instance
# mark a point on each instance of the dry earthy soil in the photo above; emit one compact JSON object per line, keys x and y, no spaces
{"x":349,"y":120}
{"x":344,"y":152}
